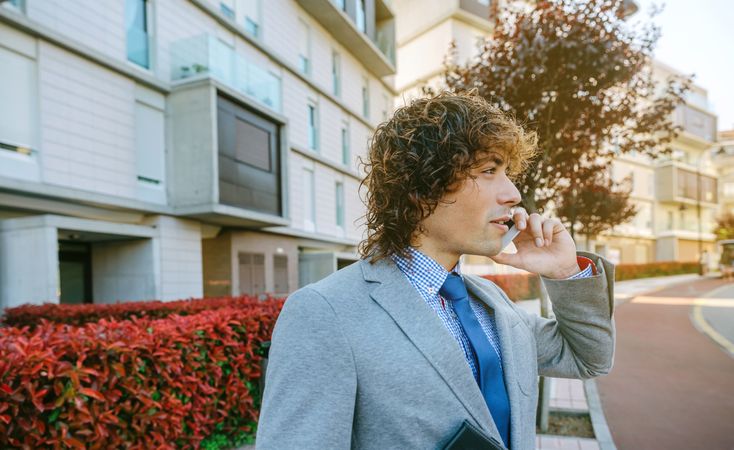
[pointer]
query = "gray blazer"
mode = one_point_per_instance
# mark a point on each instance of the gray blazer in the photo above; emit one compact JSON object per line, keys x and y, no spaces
{"x":359,"y":360}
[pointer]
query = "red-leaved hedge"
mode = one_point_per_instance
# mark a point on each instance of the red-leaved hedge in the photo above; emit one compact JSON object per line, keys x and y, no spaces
{"x":656,"y":269}
{"x":31,"y":315}
{"x":137,"y":384}
{"x":517,"y":286}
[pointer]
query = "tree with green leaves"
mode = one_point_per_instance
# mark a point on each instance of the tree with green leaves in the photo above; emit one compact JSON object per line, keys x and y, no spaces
{"x":579,"y":75}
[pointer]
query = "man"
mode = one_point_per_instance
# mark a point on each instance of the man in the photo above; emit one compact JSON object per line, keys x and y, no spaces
{"x":399,"y":349}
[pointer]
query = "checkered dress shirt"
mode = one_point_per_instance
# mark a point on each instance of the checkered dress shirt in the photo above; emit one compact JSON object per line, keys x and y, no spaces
{"x":427,"y":276}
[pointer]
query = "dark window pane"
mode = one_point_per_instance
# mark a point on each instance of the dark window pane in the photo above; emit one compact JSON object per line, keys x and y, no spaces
{"x":253,"y":145}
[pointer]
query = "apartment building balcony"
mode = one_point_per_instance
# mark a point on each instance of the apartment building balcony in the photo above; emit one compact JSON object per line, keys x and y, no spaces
{"x":206,"y":56}
{"x":369,"y":32}
{"x":697,"y":123}
{"x":227,"y":162}
{"x":678,"y":184}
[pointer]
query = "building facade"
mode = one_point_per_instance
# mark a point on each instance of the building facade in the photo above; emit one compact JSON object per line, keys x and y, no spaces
{"x":723,"y":155}
{"x":165,"y":149}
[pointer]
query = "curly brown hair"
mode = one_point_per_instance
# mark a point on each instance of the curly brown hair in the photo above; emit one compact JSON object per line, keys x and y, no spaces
{"x":423,"y":153}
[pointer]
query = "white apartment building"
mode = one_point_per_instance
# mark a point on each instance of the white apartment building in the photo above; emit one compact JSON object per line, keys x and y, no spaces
{"x":677,"y":196}
{"x":723,"y":155}
{"x":165,"y":149}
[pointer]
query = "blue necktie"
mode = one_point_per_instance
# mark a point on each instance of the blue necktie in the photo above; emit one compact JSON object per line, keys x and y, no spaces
{"x":491,"y":380}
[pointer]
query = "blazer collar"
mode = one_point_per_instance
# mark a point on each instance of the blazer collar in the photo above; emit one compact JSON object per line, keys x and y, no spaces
{"x":424,"y":329}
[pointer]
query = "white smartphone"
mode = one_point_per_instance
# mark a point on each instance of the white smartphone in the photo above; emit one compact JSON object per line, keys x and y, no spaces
{"x":510,"y":235}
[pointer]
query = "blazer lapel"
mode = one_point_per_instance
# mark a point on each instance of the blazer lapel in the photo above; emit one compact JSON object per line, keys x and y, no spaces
{"x":424,"y":329}
{"x":505,"y":322}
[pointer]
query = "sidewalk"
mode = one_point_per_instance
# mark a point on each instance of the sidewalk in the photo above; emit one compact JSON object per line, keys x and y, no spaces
{"x":577,"y":396}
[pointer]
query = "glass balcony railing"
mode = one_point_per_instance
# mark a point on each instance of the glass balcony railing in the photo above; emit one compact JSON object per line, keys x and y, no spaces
{"x":206,"y":55}
{"x":696,"y":122}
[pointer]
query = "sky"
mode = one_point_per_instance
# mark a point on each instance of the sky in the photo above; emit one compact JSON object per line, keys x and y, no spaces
{"x":698,"y":37}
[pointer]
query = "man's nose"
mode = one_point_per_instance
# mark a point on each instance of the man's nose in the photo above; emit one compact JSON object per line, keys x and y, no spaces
{"x":509,"y":195}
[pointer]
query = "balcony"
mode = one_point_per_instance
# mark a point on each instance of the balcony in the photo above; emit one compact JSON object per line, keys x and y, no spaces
{"x":207,"y":56}
{"x":676,"y":184}
{"x":228,"y":166}
{"x":375,"y":47}
{"x":697,"y":122}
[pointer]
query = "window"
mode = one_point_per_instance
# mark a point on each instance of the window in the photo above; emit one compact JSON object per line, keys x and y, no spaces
{"x":19,"y":94}
{"x":313,"y":141}
{"x":340,"y":204}
{"x":150,"y":143}
{"x":309,"y":200}
{"x":341,"y":4}
{"x":361,"y":16}
{"x":346,"y":154}
{"x":227,"y":10}
{"x":248,"y":159}
{"x":250,"y":16}
{"x":136,"y":26}
{"x":304,"y":53}
{"x":336,"y":73}
{"x":280,"y":274}
{"x":13,"y":4}
{"x":365,"y":98}
{"x":670,"y":220}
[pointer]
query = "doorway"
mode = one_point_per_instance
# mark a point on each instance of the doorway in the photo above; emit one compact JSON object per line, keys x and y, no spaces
{"x":75,"y":273}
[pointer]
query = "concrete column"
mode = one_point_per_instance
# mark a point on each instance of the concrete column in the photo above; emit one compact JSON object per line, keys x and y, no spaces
{"x":177,"y":252}
{"x":29,"y":263}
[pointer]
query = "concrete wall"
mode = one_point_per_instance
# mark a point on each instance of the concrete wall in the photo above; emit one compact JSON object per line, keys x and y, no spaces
{"x":192,"y":165}
{"x":124,"y":271}
{"x":179,"y":255}
{"x":29,"y":266}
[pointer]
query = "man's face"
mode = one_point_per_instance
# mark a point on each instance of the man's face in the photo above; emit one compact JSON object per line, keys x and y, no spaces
{"x":465,"y":222}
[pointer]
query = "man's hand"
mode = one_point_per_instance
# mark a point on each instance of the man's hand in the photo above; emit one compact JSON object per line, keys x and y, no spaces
{"x":544,"y":246}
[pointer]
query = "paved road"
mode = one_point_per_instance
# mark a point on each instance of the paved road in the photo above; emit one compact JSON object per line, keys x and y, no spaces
{"x":671,"y":387}
{"x":720,"y":315}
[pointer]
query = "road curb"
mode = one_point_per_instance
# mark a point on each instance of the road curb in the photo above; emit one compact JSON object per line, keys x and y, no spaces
{"x":703,"y":327}
{"x":598,"y":421}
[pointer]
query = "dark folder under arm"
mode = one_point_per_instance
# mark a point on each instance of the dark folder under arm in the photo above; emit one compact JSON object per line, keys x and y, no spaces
{"x":470,"y":437}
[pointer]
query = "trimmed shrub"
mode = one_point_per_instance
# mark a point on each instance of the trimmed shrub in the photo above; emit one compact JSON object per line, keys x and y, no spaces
{"x":138,"y":383}
{"x":30,"y":315}
{"x":656,"y":269}
{"x":517,"y":286}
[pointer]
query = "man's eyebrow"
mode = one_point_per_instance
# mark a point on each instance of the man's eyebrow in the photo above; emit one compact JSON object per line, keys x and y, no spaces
{"x":493,"y":158}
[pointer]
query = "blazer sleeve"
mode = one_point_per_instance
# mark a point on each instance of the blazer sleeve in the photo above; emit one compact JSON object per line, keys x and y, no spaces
{"x":579,"y":342}
{"x":311,"y":379}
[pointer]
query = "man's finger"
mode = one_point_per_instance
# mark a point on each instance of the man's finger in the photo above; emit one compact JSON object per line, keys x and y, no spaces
{"x":536,"y":228}
{"x":548,"y":227}
{"x":520,"y":217}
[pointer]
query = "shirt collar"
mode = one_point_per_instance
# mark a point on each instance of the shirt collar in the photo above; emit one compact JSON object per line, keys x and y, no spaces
{"x":423,"y":271}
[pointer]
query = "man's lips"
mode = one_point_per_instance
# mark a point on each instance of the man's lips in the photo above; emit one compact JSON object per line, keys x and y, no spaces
{"x":499,"y":222}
